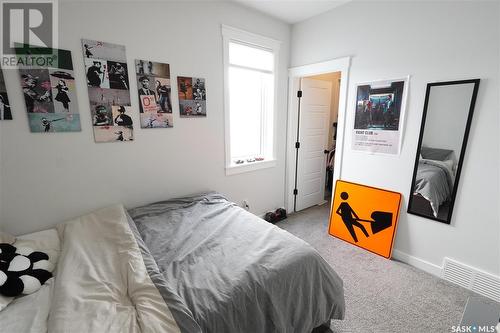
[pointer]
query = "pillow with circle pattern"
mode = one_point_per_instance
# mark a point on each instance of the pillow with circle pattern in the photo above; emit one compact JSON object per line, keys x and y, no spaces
{"x":22,"y":270}
{"x":46,"y":241}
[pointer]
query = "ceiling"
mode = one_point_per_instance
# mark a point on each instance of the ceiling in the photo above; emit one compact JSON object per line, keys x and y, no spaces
{"x":289,"y":11}
{"x":292,"y":11}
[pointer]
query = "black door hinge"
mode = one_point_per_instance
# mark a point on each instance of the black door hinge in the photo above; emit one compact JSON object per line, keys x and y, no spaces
{"x":297,"y":145}
{"x":299,"y":93}
{"x":295,"y":192}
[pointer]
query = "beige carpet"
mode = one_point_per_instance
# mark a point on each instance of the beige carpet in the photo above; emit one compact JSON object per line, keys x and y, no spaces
{"x":381,"y":295}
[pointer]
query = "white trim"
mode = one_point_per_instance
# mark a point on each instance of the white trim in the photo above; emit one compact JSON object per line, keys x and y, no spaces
{"x":336,"y":65}
{"x":247,"y":167}
{"x":418,"y":263}
{"x":265,"y":71}
{"x":246,"y":37}
{"x":467,"y":275}
{"x":234,"y":34}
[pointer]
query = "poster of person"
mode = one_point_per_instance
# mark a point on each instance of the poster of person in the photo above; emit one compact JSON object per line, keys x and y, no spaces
{"x":154,"y":90}
{"x":111,"y":110}
{"x":5,"y":111}
{"x":50,"y":95}
{"x":379,"y":116}
{"x":109,"y":91}
{"x":192,"y":96}
{"x":97,"y":73}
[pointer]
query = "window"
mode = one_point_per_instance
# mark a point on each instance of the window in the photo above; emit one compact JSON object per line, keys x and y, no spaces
{"x":250,"y":100}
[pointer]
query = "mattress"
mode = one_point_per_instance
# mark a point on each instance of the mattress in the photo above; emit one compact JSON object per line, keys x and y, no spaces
{"x":236,"y":272}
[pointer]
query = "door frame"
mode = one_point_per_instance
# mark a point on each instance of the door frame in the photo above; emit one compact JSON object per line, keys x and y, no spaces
{"x":341,"y":65}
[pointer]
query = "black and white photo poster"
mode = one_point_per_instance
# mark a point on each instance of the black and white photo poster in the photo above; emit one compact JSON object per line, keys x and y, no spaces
{"x":379,"y":116}
{"x":50,"y":94}
{"x":192,"y":96}
{"x":109,"y":91}
{"x":5,"y":112}
{"x":154,"y":89}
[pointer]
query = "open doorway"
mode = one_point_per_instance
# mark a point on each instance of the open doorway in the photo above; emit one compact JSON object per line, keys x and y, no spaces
{"x":334,"y":79}
{"x":315,"y":149}
{"x":315,"y":139}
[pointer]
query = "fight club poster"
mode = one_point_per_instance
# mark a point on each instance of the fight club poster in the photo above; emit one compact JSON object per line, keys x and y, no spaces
{"x":379,"y":116}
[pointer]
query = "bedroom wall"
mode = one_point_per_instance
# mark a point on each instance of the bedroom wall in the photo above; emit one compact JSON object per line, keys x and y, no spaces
{"x":48,"y":179}
{"x":431,"y":41}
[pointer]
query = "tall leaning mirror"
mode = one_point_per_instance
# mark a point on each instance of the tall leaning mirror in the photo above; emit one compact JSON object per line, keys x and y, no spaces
{"x":446,"y":120}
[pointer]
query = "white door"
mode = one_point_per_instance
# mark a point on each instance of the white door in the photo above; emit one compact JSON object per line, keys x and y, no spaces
{"x":313,"y":137}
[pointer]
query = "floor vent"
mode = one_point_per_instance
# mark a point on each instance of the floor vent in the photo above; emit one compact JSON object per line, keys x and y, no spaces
{"x":468,"y":277}
{"x":487,"y":285}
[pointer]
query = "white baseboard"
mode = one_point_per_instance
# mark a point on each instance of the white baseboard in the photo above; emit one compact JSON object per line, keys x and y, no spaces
{"x":418,"y":263}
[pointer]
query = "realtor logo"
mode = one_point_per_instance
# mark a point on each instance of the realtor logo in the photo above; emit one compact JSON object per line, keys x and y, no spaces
{"x":27,"y":24}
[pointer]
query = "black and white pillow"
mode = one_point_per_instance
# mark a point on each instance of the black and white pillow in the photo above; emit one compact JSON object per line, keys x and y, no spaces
{"x":22,"y":270}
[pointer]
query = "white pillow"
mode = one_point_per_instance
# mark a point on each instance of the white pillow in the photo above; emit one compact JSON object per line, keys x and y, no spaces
{"x":44,"y":241}
{"x":6,"y":238}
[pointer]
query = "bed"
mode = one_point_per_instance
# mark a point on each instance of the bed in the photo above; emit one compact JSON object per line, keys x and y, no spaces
{"x":195,"y":264}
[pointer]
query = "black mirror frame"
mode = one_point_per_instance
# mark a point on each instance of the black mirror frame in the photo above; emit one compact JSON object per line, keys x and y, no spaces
{"x":462,"y":151}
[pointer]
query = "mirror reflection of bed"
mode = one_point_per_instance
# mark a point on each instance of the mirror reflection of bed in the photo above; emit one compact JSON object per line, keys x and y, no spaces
{"x":448,"y":109}
{"x":434,"y":182}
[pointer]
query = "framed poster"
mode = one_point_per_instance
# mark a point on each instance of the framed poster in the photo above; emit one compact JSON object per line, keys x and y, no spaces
{"x":192,"y":96}
{"x":50,"y":93}
{"x":365,"y":216}
{"x":154,"y":89}
{"x":109,"y":91}
{"x":379,"y":116}
{"x":5,"y":111}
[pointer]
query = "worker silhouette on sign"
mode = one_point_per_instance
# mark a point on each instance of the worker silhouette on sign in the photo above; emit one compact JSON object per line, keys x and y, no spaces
{"x":350,"y":217}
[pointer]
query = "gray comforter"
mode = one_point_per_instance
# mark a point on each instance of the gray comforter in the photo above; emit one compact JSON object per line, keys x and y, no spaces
{"x":434,"y":182}
{"x":234,"y":271}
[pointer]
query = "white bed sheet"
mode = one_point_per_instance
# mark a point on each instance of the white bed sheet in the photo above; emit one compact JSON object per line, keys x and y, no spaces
{"x":28,"y":314}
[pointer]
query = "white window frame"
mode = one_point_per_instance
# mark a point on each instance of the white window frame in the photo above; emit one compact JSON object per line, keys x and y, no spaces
{"x":230,"y":34}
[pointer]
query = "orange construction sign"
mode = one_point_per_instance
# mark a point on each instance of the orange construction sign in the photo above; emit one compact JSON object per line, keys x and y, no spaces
{"x":365,"y":216}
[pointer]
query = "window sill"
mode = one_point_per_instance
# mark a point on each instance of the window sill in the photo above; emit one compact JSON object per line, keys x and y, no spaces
{"x":234,"y":169}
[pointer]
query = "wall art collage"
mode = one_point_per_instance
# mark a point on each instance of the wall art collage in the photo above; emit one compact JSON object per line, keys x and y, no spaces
{"x":155,"y":105}
{"x":51,"y":99}
{"x":50,"y":94}
{"x":192,"y":96}
{"x":109,"y":91}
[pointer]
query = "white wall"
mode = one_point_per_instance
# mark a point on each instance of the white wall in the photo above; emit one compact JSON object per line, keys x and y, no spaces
{"x":432,"y":41}
{"x":446,"y":117}
{"x":47,"y":179}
